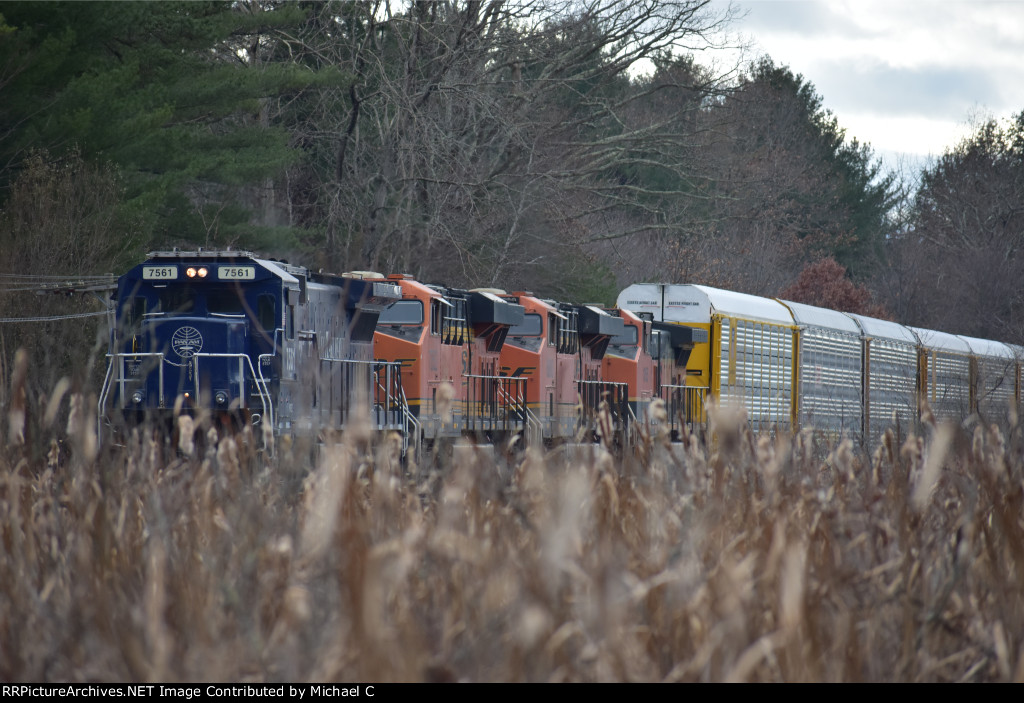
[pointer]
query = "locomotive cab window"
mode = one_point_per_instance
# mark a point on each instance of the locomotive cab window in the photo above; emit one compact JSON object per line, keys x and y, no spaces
{"x":134,"y":310}
{"x":265,"y":312}
{"x":403,"y":312}
{"x":224,"y":301}
{"x":530,"y":327}
{"x":624,"y":344}
{"x":626,"y":339}
{"x":177,"y":300}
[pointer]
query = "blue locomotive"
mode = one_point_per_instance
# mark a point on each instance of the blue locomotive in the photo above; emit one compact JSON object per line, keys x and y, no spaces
{"x":250,"y":339}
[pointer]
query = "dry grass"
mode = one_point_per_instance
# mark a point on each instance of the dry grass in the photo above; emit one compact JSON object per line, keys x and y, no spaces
{"x":749,"y":562}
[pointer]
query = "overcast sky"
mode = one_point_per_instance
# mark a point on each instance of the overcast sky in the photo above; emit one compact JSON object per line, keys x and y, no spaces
{"x":906,"y":76}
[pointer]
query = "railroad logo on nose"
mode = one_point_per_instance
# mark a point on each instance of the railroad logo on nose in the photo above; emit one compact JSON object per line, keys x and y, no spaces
{"x":186,"y":341}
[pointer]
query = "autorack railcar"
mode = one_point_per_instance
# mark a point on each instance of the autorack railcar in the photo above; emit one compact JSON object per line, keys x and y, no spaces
{"x":792,"y":365}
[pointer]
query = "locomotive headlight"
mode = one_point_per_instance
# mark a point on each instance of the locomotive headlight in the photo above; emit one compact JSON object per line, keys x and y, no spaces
{"x":202,"y":272}
{"x":221,"y":397}
{"x":190,"y":272}
{"x":137,"y":397}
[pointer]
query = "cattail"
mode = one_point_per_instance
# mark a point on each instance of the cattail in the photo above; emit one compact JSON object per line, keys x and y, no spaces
{"x":53,"y":406}
{"x":75,"y":419}
{"x":16,"y":413}
{"x":659,"y":418}
{"x":934,"y":459}
{"x":443,"y":403}
{"x":186,"y":428}
{"x":227,"y":458}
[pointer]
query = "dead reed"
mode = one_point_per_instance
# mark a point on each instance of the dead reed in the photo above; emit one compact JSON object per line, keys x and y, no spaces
{"x":205,"y":559}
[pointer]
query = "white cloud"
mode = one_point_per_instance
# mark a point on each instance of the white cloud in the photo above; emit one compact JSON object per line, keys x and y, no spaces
{"x":902,"y":75}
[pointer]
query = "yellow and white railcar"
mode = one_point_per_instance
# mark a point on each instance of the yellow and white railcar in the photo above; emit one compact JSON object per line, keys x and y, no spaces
{"x":750,"y":358}
{"x":793,"y":365}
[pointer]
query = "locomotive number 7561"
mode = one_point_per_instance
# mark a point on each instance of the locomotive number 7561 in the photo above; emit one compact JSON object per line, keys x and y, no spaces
{"x":236,"y":273}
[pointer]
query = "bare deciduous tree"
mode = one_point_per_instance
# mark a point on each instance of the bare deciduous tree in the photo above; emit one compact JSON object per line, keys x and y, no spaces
{"x":966,"y":238}
{"x":473,"y":140}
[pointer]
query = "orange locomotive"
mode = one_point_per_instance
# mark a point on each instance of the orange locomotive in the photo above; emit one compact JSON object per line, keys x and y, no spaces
{"x":649,"y":359}
{"x":629,"y":362}
{"x":558,"y":350}
{"x":448,"y":341}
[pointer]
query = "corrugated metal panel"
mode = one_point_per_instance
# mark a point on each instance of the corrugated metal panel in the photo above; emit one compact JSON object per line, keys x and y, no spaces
{"x":830,"y":380}
{"x":756,"y":370}
{"x":947,"y":368}
{"x":892,"y":384}
{"x":949,"y":379}
{"x":995,"y":388}
{"x":996,"y":380}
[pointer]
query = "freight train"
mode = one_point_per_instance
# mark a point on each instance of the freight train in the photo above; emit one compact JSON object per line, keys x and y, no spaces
{"x":247,"y":339}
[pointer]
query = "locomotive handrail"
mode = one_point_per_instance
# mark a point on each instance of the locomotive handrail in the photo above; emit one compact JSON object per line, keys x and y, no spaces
{"x":118,"y":358}
{"x":503,"y":399}
{"x":592,"y":393}
{"x":689,"y":393}
{"x":393,"y":409}
{"x":264,"y":392}
{"x":394,"y":400}
{"x":516,"y":402}
{"x":261,"y":382}
{"x":633,"y":425}
{"x":104,"y":390}
{"x":601,"y":385}
{"x":410,"y":424}
{"x":532,"y":421}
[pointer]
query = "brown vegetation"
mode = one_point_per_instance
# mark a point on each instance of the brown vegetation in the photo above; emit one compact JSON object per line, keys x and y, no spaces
{"x":825,"y":284}
{"x":747,"y":561}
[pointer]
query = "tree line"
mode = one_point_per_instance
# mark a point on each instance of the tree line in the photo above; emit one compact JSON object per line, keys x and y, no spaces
{"x":562,"y":146}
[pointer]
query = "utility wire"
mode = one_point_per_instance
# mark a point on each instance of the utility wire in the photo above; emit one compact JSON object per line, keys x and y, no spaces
{"x":52,"y":317}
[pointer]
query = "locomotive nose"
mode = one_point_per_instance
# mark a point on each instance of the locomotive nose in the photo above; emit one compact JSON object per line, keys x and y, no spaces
{"x":203,"y":361}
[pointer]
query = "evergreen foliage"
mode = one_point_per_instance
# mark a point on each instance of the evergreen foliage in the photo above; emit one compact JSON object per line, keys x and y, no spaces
{"x":173,"y":94}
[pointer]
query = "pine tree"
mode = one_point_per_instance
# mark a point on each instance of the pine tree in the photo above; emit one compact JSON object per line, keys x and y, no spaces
{"x":176,"y":95}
